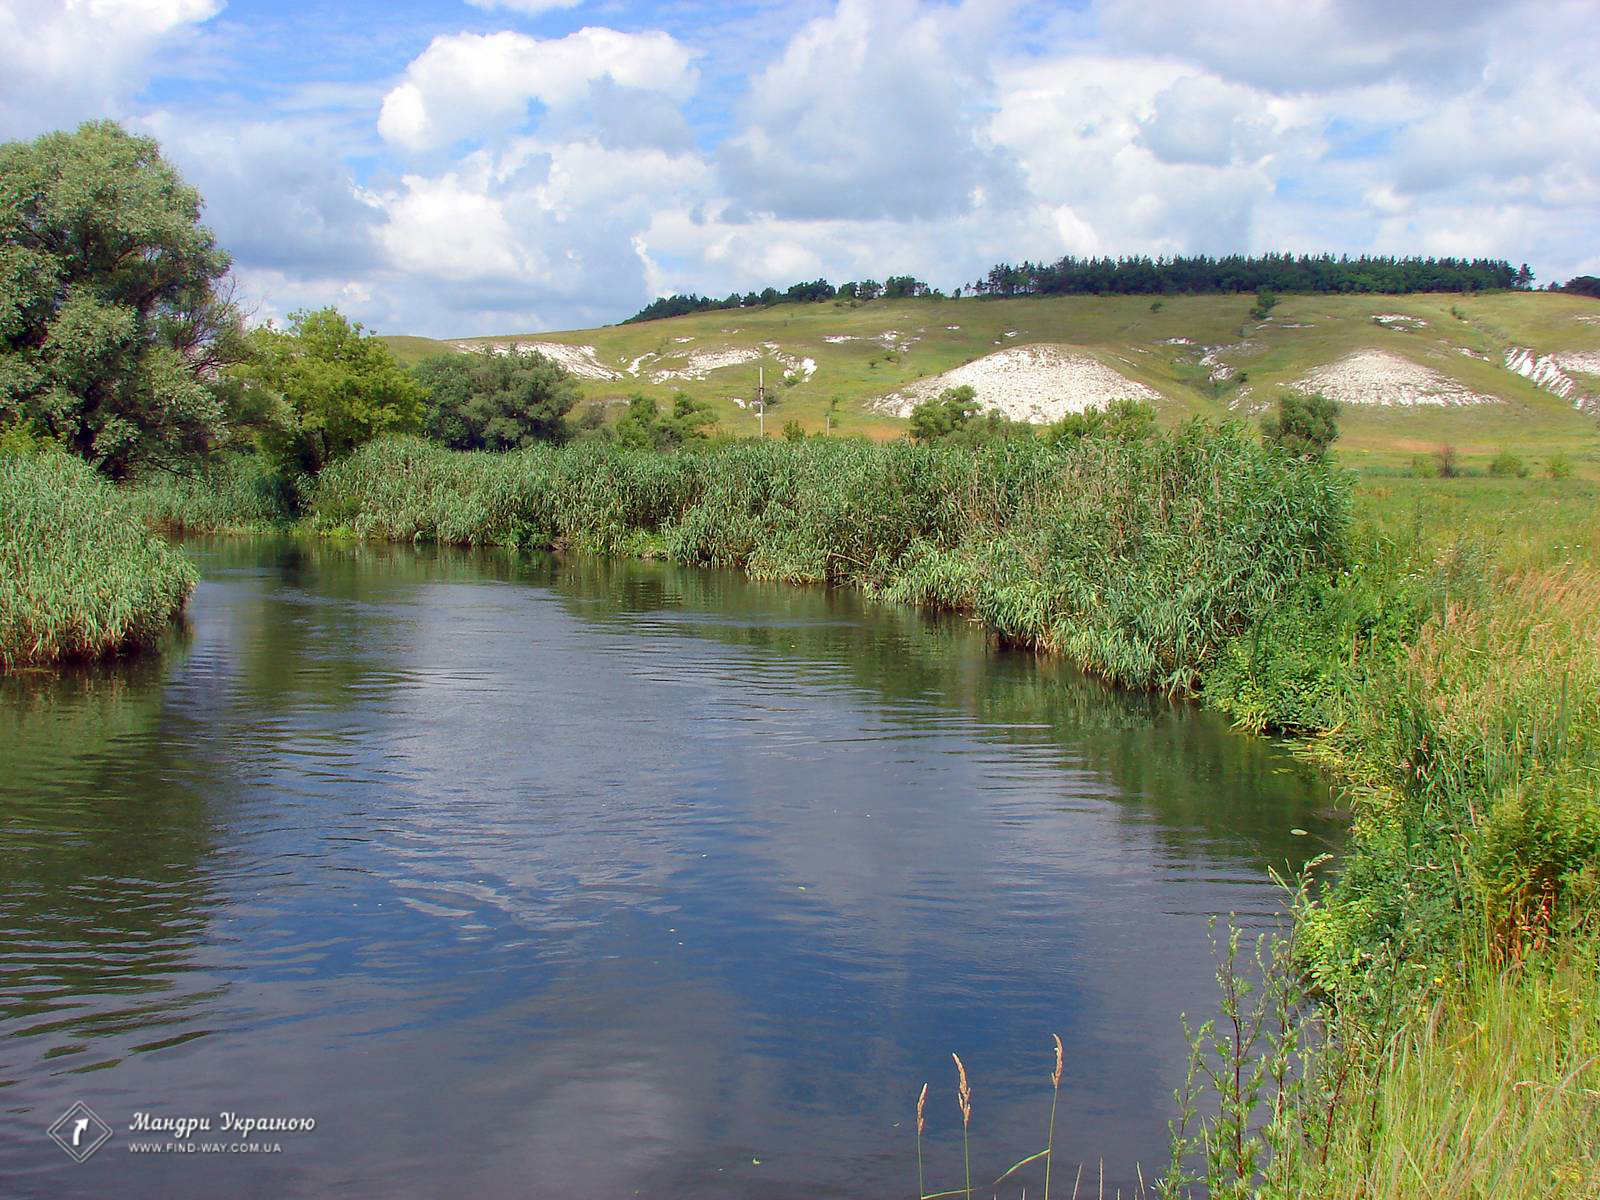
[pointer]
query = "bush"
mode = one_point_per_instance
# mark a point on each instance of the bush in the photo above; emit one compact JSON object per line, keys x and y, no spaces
{"x":1125,"y":420}
{"x":1305,"y":426}
{"x":80,"y":575}
{"x":1559,"y":466}
{"x":1507,"y":465}
{"x":1445,"y":463}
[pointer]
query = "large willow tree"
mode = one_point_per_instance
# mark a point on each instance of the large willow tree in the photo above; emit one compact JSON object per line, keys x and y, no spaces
{"x":116,"y":318}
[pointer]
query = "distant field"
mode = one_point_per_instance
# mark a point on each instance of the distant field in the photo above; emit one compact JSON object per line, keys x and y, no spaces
{"x":1194,"y":354}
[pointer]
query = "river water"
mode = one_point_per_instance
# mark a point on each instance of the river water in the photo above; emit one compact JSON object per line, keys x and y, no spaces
{"x":523,"y":877}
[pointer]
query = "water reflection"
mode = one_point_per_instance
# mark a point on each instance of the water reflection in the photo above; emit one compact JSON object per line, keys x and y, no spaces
{"x":574,"y":878}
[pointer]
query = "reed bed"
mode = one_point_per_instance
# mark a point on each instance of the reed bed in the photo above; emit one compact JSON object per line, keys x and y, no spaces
{"x":80,"y":574}
{"x":233,"y":493}
{"x":1135,"y":559}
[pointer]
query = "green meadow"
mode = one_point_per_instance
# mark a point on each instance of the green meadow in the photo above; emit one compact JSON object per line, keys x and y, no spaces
{"x":881,"y":346}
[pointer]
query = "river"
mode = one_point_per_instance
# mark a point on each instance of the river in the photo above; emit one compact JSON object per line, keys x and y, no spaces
{"x":532,"y":877}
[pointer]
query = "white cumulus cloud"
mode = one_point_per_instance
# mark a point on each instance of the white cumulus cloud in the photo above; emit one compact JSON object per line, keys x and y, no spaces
{"x":476,"y":86}
{"x":65,"y":61}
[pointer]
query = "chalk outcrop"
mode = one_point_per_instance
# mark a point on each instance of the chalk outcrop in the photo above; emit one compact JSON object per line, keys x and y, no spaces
{"x":1038,"y":383}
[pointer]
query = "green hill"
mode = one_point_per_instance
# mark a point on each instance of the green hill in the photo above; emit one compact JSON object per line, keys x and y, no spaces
{"x":1413,"y":372}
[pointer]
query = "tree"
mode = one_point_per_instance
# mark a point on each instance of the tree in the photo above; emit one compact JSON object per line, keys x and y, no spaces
{"x":1583,"y":285}
{"x":1305,"y":426}
{"x":326,"y":387}
{"x":116,"y":321}
{"x":495,"y":399}
{"x":1524,"y":279}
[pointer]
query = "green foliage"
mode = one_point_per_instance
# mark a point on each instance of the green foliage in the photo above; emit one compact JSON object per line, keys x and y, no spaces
{"x":1507,"y":465}
{"x":326,"y":387}
{"x":1266,"y":301}
{"x":114,"y":322}
{"x":1125,"y":420}
{"x":645,"y":427}
{"x":944,"y":414}
{"x":489,"y":399}
{"x":23,"y":439}
{"x":80,"y":575}
{"x":1559,"y":465}
{"x":1303,"y":665}
{"x":955,"y":417}
{"x":1305,"y":426}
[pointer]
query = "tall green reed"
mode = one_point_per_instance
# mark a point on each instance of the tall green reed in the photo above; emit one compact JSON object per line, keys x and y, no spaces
{"x":80,"y":574}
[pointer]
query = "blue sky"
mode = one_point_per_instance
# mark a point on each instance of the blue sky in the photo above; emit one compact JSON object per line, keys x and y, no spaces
{"x":449,"y":168}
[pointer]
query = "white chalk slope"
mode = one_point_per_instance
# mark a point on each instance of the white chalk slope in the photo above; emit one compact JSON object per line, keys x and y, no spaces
{"x":1376,"y":377}
{"x":1038,"y":383}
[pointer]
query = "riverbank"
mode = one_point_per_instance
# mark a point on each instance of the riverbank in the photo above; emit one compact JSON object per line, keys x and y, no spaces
{"x":81,"y":575}
{"x":1436,"y":646}
{"x":1450,"y":680}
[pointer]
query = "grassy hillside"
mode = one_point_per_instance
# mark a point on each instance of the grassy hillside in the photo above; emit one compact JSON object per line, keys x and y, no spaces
{"x":1198,"y":354}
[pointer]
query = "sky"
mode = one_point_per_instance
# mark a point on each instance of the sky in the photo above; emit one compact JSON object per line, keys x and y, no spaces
{"x":457,"y":167}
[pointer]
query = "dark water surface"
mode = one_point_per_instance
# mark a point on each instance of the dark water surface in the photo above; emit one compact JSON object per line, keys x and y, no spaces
{"x":526,"y":878}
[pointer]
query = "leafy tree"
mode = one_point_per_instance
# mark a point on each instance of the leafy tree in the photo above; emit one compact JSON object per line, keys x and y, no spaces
{"x":488,"y":400}
{"x":1524,"y":279}
{"x":1266,"y":301}
{"x":1583,"y":285}
{"x":326,"y":386}
{"x":1305,"y":426}
{"x":903,"y":287}
{"x":116,"y":321}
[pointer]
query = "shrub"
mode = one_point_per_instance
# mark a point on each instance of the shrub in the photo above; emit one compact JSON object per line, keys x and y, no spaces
{"x":1559,"y":466}
{"x":1305,"y":426}
{"x":1446,"y":465}
{"x":1507,"y":465}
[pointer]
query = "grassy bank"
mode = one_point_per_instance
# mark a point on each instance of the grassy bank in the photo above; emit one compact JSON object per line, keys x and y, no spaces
{"x":1135,"y":559}
{"x":81,"y":576}
{"x":1448,"y":976}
